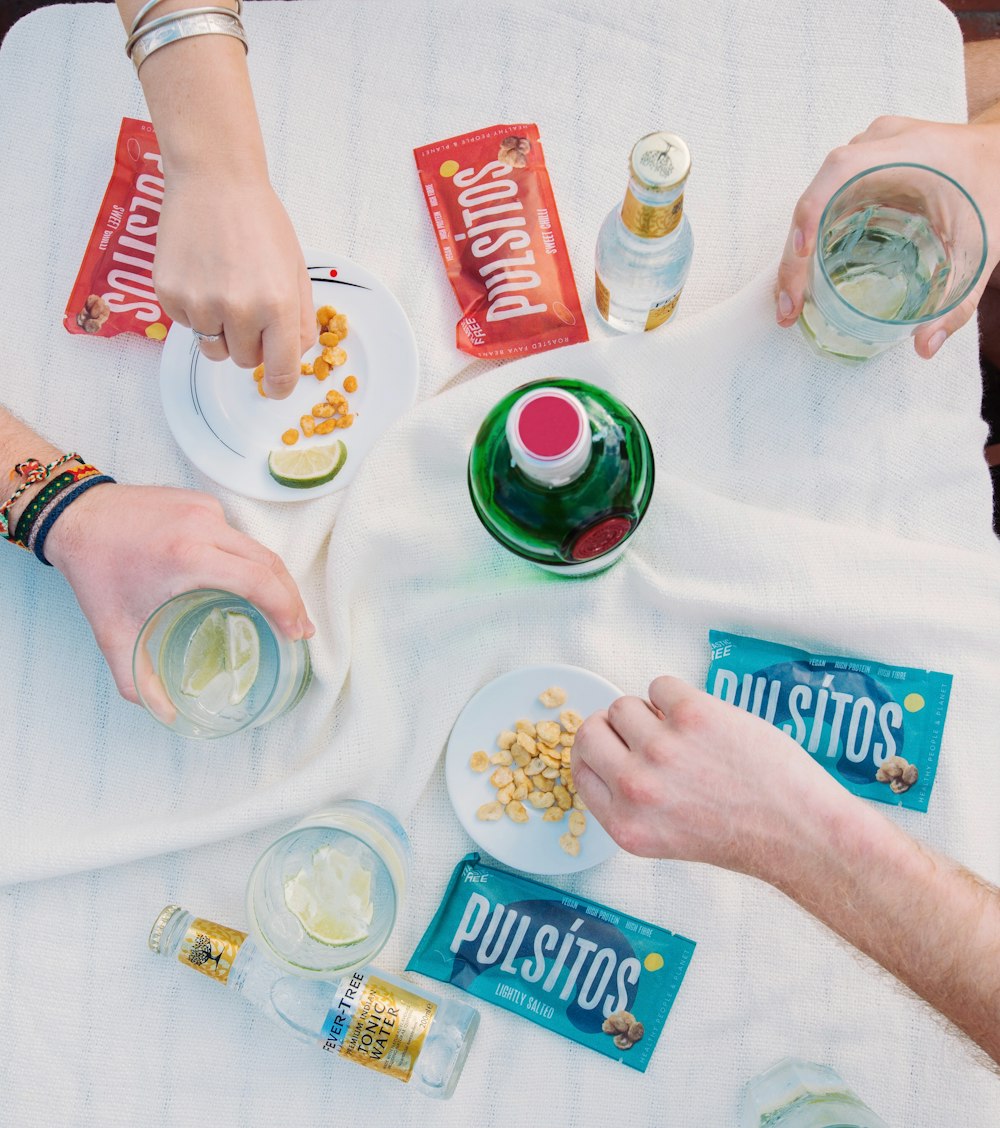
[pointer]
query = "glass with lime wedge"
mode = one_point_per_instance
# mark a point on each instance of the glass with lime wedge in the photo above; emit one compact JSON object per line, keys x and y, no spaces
{"x":324,"y":898}
{"x":208,"y":663}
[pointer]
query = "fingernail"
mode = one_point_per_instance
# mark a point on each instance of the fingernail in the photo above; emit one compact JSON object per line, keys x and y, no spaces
{"x":310,"y":629}
{"x":937,"y":341}
{"x":784,"y":306}
{"x":798,"y":241}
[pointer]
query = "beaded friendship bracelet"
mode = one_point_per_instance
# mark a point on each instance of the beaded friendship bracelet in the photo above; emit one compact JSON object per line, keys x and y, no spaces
{"x":51,"y":513}
{"x":33,"y":472}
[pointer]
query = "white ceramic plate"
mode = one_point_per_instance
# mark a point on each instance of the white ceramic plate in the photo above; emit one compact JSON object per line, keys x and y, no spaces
{"x":227,"y":430}
{"x":532,"y":846}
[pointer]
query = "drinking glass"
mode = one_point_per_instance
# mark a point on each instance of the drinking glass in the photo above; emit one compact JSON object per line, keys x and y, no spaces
{"x":208,"y":663}
{"x":801,"y":1094}
{"x":897,"y":246}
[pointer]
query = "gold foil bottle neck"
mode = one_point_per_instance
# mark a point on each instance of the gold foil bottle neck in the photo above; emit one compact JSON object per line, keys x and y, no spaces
{"x":210,"y":948}
{"x":651,"y":221}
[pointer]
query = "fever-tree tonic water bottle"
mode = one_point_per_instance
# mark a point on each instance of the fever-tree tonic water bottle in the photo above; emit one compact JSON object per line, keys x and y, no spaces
{"x":644,"y":247}
{"x":365,"y":1016}
{"x":561,"y":474}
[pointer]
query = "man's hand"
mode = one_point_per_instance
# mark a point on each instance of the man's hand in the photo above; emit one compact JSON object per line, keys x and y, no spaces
{"x":968,"y":154}
{"x":694,"y":778}
{"x":127,"y":549}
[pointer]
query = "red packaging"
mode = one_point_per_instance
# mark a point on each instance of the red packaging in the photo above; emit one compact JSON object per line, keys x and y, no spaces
{"x":490,"y":199}
{"x":113,"y":292}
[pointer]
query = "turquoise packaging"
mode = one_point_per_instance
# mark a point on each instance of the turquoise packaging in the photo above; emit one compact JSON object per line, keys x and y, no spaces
{"x":874,"y":727}
{"x":595,"y":975}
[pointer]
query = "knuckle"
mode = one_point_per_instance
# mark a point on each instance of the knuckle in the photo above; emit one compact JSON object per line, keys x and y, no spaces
{"x":689,"y":715}
{"x":629,"y":835}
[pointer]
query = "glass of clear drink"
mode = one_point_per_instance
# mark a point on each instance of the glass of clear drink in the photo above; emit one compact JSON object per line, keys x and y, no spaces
{"x":897,"y":246}
{"x":207,"y":663}
{"x":324,"y":898}
{"x":801,"y":1094}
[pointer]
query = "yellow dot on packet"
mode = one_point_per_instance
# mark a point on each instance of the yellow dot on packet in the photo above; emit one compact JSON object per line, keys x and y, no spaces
{"x":449,"y":168}
{"x":157,"y":331}
{"x":653,"y":962}
{"x":913,"y":703}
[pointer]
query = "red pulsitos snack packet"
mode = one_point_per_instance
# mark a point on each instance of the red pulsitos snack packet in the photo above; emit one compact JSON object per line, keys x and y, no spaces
{"x":490,"y":199}
{"x":113,"y":292}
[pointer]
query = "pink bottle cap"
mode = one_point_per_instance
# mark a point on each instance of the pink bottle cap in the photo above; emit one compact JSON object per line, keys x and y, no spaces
{"x":549,"y":436}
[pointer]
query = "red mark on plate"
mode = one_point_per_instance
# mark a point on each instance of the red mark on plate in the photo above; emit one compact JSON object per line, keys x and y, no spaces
{"x":333,"y":274}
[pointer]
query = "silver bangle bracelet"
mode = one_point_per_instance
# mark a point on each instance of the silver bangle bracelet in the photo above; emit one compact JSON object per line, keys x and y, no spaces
{"x":165,"y":21}
{"x":151,"y":4}
{"x":185,"y":25}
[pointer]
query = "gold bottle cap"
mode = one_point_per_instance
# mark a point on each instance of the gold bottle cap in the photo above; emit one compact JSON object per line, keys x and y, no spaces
{"x":660,"y":161}
{"x":156,"y":932}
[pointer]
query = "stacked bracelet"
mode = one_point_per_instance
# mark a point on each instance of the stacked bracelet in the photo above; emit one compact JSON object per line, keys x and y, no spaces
{"x":33,"y":472}
{"x":55,"y":508}
{"x":47,"y":493}
{"x":146,"y":38}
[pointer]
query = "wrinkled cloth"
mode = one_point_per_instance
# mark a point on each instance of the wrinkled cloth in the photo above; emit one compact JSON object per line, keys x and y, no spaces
{"x":842,"y":510}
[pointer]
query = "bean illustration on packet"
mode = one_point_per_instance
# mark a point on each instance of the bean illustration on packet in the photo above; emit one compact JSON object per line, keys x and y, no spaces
{"x":873,"y":726}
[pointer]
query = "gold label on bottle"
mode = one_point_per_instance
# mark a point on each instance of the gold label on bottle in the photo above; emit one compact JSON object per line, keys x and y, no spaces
{"x":603,"y":296}
{"x":662,"y":312}
{"x":378,"y":1024}
{"x":649,"y":221}
{"x":210,"y":948}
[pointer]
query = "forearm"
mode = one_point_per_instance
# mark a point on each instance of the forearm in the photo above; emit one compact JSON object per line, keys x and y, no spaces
{"x":982,"y":80}
{"x":199,"y":97}
{"x":933,"y":924}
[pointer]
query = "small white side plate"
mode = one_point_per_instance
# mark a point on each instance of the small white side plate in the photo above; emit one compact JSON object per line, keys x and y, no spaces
{"x":227,"y":430}
{"x":532,"y":846}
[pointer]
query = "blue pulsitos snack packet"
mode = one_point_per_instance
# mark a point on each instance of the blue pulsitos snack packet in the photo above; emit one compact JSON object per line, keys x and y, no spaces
{"x":597,"y":976}
{"x":875,"y":727}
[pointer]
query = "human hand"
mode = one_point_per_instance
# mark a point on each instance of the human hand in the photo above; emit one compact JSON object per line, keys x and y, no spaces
{"x":127,"y":549}
{"x":967,"y":153}
{"x":694,"y":778}
{"x":228,"y":260}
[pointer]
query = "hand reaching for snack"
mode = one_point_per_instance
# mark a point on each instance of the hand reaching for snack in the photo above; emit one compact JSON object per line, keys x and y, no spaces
{"x":228,"y":263}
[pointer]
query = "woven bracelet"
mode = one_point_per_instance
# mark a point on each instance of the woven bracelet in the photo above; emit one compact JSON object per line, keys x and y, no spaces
{"x":52,"y":512}
{"x":51,"y":489}
{"x":33,"y":472}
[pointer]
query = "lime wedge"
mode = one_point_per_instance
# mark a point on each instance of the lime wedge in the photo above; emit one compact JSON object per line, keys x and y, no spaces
{"x":308,"y":467}
{"x":331,"y":898}
{"x":875,"y":294}
{"x":205,"y":656}
{"x":242,"y":654}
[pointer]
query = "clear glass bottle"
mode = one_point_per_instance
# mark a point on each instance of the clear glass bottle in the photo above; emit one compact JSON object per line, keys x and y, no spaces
{"x":644,"y":247}
{"x":801,"y":1094}
{"x":367,"y":1016}
{"x":561,"y":473}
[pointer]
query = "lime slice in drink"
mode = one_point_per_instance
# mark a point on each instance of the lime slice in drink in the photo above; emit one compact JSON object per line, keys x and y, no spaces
{"x":331,"y":899}
{"x":205,"y":656}
{"x":242,"y":654}
{"x":307,"y":468}
{"x":874,"y":293}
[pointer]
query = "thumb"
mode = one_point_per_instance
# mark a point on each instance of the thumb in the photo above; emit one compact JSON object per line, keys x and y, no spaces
{"x":280,"y":343}
{"x":929,"y":338}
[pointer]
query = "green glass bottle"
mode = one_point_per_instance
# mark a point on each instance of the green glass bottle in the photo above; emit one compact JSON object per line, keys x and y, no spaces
{"x":561,"y":474}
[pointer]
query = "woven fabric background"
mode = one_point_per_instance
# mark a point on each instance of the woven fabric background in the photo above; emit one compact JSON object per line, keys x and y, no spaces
{"x":844,"y":510}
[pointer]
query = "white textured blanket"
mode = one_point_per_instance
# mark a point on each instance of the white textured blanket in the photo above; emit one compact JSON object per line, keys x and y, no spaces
{"x":846,"y":511}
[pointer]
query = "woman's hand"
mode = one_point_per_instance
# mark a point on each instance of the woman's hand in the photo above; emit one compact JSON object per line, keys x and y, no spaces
{"x":127,"y":549}
{"x":228,"y":260}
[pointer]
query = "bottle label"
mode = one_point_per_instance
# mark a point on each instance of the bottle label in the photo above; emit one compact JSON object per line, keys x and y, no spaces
{"x":650,"y":221}
{"x":662,"y":311}
{"x":603,"y":297}
{"x":377,"y":1024}
{"x":210,"y":948}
